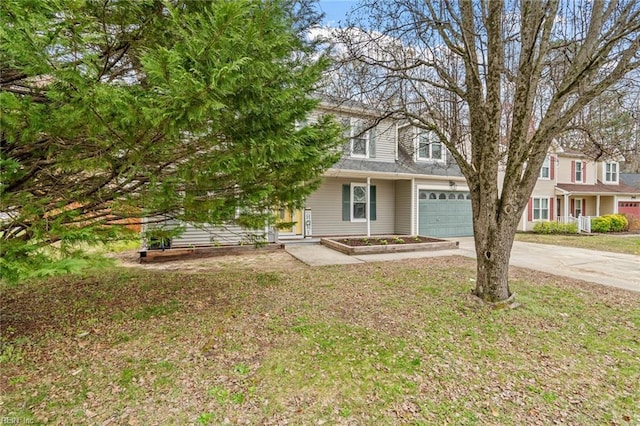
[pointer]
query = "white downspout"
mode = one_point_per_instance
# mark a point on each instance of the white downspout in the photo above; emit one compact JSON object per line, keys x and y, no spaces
{"x":397,"y":139}
{"x":414,"y":221}
{"x":368,"y":206}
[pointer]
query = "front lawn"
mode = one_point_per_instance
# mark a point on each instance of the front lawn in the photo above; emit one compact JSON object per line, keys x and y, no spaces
{"x":613,"y":243}
{"x":376,"y":343}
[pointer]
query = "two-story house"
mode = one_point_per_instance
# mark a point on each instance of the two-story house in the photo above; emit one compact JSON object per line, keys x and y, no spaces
{"x":573,"y":185}
{"x":392,"y":179}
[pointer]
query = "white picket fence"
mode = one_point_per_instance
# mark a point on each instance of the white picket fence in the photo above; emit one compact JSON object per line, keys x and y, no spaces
{"x":583,"y":222}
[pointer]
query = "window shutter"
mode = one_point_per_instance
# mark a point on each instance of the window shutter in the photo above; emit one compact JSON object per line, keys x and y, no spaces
{"x":530,"y":210}
{"x":552,"y":167}
{"x":372,"y":142}
{"x":584,"y":172}
{"x":584,"y":207}
{"x":372,"y":194}
{"x":573,"y":207}
{"x":346,"y":123}
{"x":346,"y":202}
{"x":552,"y":214}
{"x":573,"y":171}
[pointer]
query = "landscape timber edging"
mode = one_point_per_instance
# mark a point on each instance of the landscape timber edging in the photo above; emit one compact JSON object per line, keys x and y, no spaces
{"x":155,"y":256}
{"x":389,"y":248}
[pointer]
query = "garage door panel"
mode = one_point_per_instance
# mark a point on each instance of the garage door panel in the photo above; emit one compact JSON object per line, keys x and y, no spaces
{"x":448,"y":217}
{"x":629,"y":207}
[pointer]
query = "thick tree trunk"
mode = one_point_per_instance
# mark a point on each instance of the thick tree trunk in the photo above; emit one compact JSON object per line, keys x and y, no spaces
{"x":492,"y":280}
{"x":494,"y":232}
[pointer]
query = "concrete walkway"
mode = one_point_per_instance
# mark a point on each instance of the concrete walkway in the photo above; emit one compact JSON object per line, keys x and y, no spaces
{"x":612,"y":269}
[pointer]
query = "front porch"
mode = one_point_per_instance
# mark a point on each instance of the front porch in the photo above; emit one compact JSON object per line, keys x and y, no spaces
{"x":575,"y":205}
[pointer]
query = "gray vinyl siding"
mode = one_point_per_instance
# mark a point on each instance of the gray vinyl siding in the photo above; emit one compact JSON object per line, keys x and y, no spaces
{"x":385,"y":132}
{"x":403,"y":207}
{"x":326,"y":209}
{"x":385,"y":141}
{"x":208,"y":235}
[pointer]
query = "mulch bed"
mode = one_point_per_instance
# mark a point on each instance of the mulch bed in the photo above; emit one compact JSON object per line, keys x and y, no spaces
{"x":380,"y":241}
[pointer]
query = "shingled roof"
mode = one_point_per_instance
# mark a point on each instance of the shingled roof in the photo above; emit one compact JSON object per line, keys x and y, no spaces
{"x":632,"y":179}
{"x":598,"y":188}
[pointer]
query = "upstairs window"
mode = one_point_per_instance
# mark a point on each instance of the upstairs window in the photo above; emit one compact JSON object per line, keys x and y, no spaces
{"x":578,"y":175}
{"x":611,"y":172}
{"x":360,"y":146}
{"x":545,"y":170}
{"x":361,"y":142}
{"x":429,"y":147}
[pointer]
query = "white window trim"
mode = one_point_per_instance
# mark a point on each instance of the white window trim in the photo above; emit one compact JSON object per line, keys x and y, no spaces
{"x":351,"y":199}
{"x":443,"y":149}
{"x":546,"y":161}
{"x":575,"y":172}
{"x":352,"y":136}
{"x":575,"y":206}
{"x":533,"y":209}
{"x":604,"y":172}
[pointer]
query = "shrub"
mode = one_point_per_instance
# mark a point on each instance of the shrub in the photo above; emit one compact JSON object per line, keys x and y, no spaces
{"x":600,"y":224}
{"x":634,"y":222}
{"x":619,"y":222}
{"x":610,"y":223}
{"x":555,"y":228}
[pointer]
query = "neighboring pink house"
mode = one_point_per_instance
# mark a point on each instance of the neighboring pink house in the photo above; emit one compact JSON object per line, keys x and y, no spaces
{"x":572,"y":186}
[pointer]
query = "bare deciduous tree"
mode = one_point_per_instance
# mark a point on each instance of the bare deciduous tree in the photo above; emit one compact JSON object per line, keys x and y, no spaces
{"x":497,"y":81}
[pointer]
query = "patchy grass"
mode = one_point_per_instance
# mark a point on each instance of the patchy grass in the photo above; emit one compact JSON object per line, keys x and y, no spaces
{"x":376,"y":343}
{"x":613,"y":243}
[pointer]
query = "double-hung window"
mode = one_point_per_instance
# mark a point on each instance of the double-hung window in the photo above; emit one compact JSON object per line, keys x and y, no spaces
{"x":429,"y":147}
{"x":578,"y":174}
{"x":545,"y":170}
{"x":611,"y":172}
{"x":360,"y":146}
{"x":360,"y":139}
{"x":357,"y":203}
{"x":540,"y":209}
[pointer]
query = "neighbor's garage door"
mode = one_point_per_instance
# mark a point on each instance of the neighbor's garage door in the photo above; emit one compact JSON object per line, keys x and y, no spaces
{"x":444,"y":214}
{"x":629,"y":207}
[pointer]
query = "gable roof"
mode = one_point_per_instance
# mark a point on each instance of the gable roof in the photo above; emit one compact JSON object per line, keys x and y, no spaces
{"x":570,"y":152}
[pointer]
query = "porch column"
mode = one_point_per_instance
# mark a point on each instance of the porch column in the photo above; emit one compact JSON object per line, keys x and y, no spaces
{"x":566,"y":205}
{"x":368,"y":206}
{"x":597,"y":205}
{"x":615,"y":204}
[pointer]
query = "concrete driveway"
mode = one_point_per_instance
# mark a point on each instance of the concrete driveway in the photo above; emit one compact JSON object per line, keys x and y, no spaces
{"x":612,"y":269}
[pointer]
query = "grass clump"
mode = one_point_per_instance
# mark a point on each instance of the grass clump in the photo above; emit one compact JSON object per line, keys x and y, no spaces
{"x":603,"y":242}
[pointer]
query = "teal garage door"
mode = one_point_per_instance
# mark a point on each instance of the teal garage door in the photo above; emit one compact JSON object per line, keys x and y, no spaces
{"x":444,"y":214}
